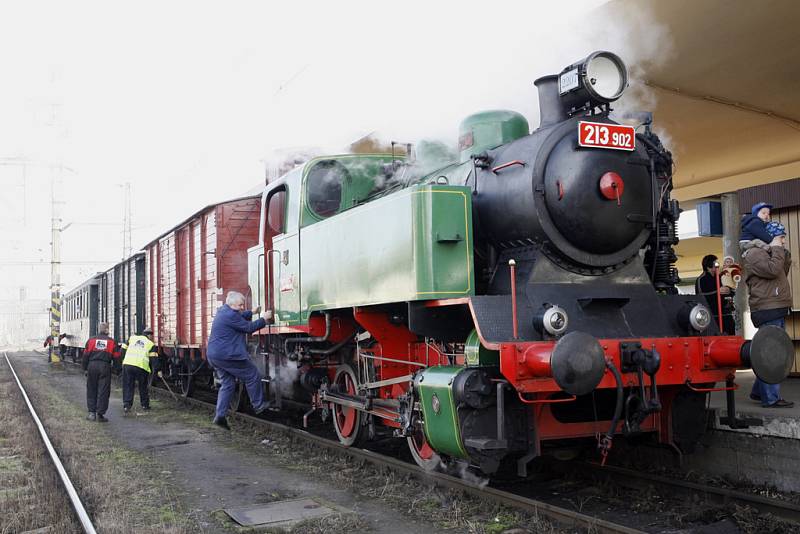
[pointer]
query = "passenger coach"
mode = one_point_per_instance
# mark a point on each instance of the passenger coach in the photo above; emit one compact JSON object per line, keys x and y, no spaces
{"x":79,"y":315}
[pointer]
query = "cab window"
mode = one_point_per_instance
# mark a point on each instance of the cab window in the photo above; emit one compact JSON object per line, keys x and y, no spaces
{"x":275,"y":213}
{"x":324,"y":186}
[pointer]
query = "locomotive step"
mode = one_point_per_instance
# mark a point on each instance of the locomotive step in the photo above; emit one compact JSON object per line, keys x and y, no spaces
{"x":485,"y":444}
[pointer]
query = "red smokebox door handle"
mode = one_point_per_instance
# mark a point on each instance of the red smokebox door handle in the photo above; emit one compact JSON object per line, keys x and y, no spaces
{"x":612,"y":187}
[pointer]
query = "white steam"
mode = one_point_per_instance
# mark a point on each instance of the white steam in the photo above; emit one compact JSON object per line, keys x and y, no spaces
{"x":284,"y":375}
{"x":462,"y":471}
{"x":502,"y":77}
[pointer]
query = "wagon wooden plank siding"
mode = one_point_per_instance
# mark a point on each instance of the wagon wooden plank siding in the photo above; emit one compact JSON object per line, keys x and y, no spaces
{"x":191,"y":268}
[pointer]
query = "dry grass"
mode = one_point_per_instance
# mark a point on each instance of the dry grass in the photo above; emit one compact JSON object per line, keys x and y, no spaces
{"x":331,"y":523}
{"x":121,"y":489}
{"x":30,"y":490}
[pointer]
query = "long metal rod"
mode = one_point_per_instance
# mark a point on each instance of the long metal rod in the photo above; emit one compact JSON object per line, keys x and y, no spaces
{"x":365,"y":355}
{"x":388,"y":382}
{"x":513,"y":266}
{"x":83,"y":516}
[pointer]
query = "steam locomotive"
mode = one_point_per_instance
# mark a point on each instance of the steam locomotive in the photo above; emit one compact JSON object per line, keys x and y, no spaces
{"x":488,"y":310}
{"x":493,"y":308}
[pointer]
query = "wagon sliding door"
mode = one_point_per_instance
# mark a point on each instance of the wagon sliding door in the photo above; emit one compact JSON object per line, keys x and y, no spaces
{"x":189,"y":269}
{"x":168,"y":290}
{"x":140,"y":291}
{"x":183,"y":282}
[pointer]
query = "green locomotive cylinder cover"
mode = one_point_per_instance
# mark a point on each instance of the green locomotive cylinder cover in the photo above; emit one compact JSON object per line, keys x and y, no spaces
{"x":442,"y":430}
{"x":489,"y":129}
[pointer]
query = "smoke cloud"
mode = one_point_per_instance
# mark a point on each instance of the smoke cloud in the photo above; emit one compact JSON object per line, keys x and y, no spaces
{"x":502,"y":78}
{"x":195,"y":120}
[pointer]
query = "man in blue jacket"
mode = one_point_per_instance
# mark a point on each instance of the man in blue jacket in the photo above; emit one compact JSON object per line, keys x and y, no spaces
{"x":227,"y":354}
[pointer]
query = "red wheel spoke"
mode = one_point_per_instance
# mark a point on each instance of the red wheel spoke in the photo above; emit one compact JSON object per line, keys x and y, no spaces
{"x":346,"y":419}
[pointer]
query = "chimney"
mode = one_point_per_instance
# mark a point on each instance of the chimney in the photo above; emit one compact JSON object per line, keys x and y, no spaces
{"x":550,"y":109}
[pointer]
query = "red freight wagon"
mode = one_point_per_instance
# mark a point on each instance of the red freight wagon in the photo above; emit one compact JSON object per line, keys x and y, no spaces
{"x":190,"y":269}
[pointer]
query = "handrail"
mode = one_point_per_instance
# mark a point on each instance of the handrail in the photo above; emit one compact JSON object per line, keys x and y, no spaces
{"x":259,"y":269}
{"x":267,"y":283}
{"x":544,"y":401}
{"x":706,"y":390}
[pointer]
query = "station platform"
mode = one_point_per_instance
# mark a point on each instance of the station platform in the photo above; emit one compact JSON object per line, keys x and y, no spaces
{"x":777,"y":422}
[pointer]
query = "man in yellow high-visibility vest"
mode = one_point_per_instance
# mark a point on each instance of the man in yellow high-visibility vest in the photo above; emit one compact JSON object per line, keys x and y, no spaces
{"x":136,"y":368}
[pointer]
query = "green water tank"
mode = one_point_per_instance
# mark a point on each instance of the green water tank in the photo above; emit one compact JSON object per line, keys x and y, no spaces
{"x":489,"y":129}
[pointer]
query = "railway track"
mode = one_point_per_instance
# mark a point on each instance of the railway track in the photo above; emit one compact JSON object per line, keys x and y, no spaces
{"x":75,"y":500}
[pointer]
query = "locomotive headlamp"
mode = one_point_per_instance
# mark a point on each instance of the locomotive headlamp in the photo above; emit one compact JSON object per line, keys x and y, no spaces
{"x":553,"y":320}
{"x":599,"y":79}
{"x":700,"y":317}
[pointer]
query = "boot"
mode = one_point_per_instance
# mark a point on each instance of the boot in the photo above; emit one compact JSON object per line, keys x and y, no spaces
{"x":101,"y":418}
{"x":261,"y":409}
{"x":221,"y":422}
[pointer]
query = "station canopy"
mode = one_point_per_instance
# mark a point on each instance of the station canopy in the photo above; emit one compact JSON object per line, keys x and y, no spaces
{"x":726,"y":88}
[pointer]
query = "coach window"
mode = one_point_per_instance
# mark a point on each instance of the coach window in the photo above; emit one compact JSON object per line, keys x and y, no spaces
{"x":324,"y":187}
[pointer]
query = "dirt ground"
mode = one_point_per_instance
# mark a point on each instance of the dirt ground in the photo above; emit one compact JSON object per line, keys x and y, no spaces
{"x":194,"y":470}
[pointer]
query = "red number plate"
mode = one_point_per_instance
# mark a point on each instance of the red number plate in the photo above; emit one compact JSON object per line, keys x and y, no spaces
{"x":602,"y":135}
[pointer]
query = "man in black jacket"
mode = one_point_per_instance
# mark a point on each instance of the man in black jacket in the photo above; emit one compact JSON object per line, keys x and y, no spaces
{"x":98,"y":354}
{"x":706,"y":285}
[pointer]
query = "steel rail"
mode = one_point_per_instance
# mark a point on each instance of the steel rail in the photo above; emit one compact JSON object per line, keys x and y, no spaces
{"x":786,"y":510}
{"x":83,"y":516}
{"x":563,"y":516}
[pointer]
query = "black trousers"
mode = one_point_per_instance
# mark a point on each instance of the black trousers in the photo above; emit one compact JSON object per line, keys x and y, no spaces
{"x":130,"y":375}
{"x":98,"y":386}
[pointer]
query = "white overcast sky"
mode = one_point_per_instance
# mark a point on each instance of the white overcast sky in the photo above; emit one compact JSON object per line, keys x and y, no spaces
{"x":186,"y":100}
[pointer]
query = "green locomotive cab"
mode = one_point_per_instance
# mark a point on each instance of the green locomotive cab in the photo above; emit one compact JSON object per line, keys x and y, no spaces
{"x":347,"y":231}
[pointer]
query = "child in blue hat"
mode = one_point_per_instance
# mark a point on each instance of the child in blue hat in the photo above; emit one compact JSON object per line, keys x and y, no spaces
{"x":754,"y":226}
